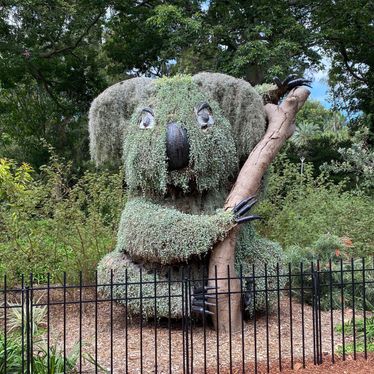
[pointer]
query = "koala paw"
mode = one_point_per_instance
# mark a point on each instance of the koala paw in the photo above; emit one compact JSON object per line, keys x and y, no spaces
{"x":247,"y":296}
{"x":200,"y":300}
{"x":291,"y":82}
{"x":242,"y":208}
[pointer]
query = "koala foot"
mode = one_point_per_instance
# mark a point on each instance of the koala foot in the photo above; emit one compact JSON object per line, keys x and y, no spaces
{"x":242,"y":208}
{"x":291,"y":82}
{"x":200,"y":300}
{"x":247,"y":296}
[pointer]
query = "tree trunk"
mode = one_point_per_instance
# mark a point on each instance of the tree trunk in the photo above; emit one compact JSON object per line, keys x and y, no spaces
{"x":281,"y":125}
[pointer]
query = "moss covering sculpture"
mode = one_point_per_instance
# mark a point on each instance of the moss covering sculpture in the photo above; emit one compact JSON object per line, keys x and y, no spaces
{"x":182,"y":141}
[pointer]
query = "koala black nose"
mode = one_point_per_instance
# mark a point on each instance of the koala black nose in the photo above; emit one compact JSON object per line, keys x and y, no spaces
{"x":177,"y":146}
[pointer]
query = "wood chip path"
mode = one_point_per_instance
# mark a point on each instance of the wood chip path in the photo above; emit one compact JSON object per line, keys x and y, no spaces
{"x":142,"y":354}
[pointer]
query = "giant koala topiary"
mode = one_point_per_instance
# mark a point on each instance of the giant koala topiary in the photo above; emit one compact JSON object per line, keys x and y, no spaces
{"x":182,"y":141}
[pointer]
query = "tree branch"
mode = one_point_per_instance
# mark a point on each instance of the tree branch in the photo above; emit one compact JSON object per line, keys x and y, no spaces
{"x":76,"y":44}
{"x":281,"y":127}
{"x":39,"y":77}
{"x":344,"y":54}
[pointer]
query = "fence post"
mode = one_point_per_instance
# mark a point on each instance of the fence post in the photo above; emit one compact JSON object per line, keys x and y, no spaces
{"x":5,"y":358}
{"x":186,"y":317}
{"x":316,"y":292}
{"x":28,"y":332}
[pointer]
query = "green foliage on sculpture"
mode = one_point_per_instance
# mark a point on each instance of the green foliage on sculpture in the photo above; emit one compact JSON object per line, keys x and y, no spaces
{"x":109,"y":115}
{"x":154,"y":234}
{"x":240,"y":104}
{"x":212,"y":155}
{"x":181,"y":140}
{"x":260,"y":259}
{"x":139,"y":300}
{"x":253,"y":252}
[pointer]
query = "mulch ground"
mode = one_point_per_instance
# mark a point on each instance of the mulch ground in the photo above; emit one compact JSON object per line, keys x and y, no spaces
{"x":131,"y":344}
{"x":348,"y":366}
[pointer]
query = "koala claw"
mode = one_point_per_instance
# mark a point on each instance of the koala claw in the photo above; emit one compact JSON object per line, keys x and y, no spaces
{"x":242,"y":208}
{"x":247,"y":296}
{"x":200,"y":299}
{"x":291,"y":82}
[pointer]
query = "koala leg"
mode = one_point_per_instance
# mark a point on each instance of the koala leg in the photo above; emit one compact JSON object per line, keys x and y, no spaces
{"x":202,"y":298}
{"x":140,"y":298}
{"x":252,"y":253}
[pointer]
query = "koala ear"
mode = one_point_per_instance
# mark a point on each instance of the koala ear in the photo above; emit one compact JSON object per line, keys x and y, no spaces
{"x":240,"y":104}
{"x":109,"y":116}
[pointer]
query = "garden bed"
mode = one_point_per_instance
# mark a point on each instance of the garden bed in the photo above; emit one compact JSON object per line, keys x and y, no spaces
{"x":348,"y":366}
{"x":141,"y":338}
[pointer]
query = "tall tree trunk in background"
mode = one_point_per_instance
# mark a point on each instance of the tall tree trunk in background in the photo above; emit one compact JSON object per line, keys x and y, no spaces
{"x":281,"y":125}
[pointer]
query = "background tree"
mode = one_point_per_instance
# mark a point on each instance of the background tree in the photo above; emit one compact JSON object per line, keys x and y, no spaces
{"x":346,"y":32}
{"x":50,"y":70}
{"x":57,"y":55}
{"x":255,"y":40}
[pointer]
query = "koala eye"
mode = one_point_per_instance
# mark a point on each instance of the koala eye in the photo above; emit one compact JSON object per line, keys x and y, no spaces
{"x":146,"y":119}
{"x":204,"y":115}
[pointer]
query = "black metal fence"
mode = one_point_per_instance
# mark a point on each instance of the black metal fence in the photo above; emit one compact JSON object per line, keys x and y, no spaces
{"x":300,"y":314}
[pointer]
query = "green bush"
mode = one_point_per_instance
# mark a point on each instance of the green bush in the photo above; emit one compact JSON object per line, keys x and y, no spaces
{"x":315,"y":219}
{"x":16,"y":353}
{"x":363,"y":329}
{"x":45,"y":359}
{"x":319,"y":254}
{"x":318,"y":149}
{"x":298,"y":208}
{"x":355,"y":162}
{"x":55,"y":223}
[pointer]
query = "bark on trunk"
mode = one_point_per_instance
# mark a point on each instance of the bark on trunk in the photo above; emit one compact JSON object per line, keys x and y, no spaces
{"x":281,"y":125}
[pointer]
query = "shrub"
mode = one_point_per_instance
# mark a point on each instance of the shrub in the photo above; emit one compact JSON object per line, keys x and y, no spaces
{"x":323,"y":211}
{"x":298,"y":208}
{"x":16,"y":353}
{"x":363,"y":329}
{"x":357,"y":162}
{"x":56,"y":223}
{"x":42,"y":354}
{"x":318,"y":149}
{"x":318,"y":255}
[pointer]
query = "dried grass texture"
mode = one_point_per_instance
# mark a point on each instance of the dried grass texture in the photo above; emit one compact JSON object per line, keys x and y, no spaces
{"x":240,"y":104}
{"x":111,"y":112}
{"x":109,"y":115}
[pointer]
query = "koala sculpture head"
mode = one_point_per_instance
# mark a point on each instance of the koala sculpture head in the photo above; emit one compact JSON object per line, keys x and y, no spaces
{"x":186,"y":132}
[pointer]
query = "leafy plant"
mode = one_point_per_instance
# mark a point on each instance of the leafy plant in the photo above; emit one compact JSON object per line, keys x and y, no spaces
{"x":15,"y":355}
{"x":44,"y":359}
{"x":304,"y":131}
{"x":56,"y":223}
{"x":360,"y":328}
{"x":17,"y":313}
{"x":357,"y":163}
{"x":57,"y":362}
{"x":364,"y":329}
{"x":299,"y":208}
{"x":336,"y":288}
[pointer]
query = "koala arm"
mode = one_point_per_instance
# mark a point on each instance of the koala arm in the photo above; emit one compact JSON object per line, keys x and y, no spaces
{"x":151,"y":233}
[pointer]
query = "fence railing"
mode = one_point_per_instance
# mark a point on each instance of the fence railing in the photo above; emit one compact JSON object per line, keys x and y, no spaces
{"x":293,"y":315}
